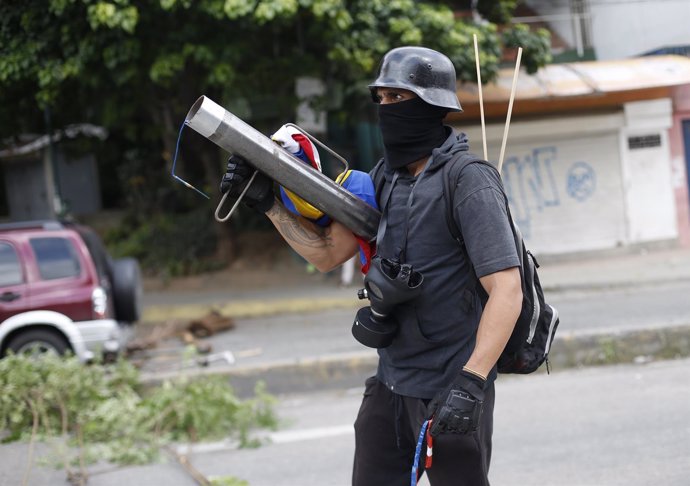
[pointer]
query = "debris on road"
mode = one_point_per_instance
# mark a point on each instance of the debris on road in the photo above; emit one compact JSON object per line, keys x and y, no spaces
{"x":211,"y":323}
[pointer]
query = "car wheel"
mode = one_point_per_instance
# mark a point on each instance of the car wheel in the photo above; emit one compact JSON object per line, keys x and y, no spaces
{"x":34,"y":342}
{"x":127,"y":289}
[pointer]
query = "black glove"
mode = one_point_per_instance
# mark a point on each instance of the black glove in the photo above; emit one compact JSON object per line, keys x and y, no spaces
{"x":259,"y":196}
{"x":458,"y":408}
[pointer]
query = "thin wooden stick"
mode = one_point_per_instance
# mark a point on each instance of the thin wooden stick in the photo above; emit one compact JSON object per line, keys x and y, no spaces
{"x":196,"y":475}
{"x":481,"y":97}
{"x":510,"y":109}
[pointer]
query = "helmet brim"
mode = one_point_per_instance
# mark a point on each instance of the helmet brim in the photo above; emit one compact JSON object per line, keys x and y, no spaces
{"x":433,"y":96}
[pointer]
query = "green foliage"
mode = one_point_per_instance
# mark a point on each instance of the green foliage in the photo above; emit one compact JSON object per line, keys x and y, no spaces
{"x":137,"y":67}
{"x":232,"y":46}
{"x":105,"y":416}
{"x":118,"y":15}
{"x":192,"y":409}
{"x":536,"y":46}
{"x":168,"y":245}
{"x":497,"y":11}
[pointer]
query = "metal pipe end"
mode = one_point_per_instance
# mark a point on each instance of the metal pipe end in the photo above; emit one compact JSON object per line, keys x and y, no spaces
{"x":205,"y":116}
{"x":195,"y":108}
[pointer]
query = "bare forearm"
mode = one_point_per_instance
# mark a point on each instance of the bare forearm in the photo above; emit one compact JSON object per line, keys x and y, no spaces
{"x":497,"y":323}
{"x":325,"y":248}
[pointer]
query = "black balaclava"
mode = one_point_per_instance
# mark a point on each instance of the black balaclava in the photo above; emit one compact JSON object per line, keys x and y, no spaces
{"x":411,"y":129}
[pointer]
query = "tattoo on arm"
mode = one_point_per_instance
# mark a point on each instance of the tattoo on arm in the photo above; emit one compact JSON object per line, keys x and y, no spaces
{"x":300,"y":232}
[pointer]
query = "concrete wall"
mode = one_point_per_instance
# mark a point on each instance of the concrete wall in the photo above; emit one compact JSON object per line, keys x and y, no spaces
{"x":575,"y":184}
{"x":632,"y":28}
{"x":646,"y":169}
{"x":31,"y":191}
{"x":680,"y":153}
{"x":29,"y":195}
{"x":626,"y":29}
{"x":561,"y":22}
{"x":79,"y":186}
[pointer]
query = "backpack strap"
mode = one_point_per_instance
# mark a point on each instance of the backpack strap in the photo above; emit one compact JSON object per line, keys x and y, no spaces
{"x":450,"y":181}
{"x":451,"y":174}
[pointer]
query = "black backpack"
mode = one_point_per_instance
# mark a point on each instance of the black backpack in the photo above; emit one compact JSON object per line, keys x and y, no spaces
{"x":530,"y":342}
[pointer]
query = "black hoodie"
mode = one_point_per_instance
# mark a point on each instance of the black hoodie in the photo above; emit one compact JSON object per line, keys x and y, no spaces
{"x":438,"y":329}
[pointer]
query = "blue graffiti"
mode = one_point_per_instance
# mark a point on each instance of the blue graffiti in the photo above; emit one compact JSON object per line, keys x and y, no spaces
{"x":530,"y":183}
{"x":581,"y":181}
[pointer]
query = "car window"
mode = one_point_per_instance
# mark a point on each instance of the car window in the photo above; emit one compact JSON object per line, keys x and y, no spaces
{"x":10,"y":268}
{"x":56,"y":258}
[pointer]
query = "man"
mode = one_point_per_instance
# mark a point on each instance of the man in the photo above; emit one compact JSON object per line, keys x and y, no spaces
{"x":441,"y":362}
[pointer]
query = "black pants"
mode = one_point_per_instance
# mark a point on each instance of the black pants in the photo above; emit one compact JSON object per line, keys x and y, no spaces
{"x":386,"y":432}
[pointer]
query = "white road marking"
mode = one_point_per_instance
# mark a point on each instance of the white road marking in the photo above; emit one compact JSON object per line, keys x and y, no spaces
{"x":281,"y":437}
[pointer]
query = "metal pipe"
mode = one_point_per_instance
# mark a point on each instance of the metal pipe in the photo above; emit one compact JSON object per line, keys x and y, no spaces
{"x":232,"y":134}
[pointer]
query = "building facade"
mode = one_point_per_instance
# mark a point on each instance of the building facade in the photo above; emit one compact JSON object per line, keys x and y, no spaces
{"x":595,"y":160}
{"x":615,"y":29}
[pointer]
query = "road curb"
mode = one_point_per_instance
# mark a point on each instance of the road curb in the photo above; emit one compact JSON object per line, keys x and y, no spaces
{"x":621,"y":346}
{"x":609,"y":285}
{"x":249,"y":308}
{"x":351,"y":369}
{"x":343,"y":370}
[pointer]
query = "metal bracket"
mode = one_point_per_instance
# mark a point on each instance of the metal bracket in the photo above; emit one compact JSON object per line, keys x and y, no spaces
{"x":234,"y":206}
{"x":223,"y":219}
{"x":322,"y":145}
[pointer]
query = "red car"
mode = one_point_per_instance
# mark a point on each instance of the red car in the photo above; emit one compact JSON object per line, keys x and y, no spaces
{"x":60,"y":291}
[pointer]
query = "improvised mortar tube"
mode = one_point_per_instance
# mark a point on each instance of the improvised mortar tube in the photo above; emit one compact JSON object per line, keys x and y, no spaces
{"x":237,"y":137}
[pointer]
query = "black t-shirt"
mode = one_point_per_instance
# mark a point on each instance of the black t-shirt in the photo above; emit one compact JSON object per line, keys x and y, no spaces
{"x":438,"y":329}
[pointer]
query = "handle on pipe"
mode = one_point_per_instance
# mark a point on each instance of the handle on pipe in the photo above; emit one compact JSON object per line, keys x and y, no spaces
{"x":223,"y":219}
{"x":323,"y":146}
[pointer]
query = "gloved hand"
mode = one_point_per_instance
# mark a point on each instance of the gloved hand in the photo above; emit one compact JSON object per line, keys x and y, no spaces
{"x":259,"y":196}
{"x":458,"y":408}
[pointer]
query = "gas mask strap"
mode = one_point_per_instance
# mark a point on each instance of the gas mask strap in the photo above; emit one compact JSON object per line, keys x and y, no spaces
{"x":385,"y":199}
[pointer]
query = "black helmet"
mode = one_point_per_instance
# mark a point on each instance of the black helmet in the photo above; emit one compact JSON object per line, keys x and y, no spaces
{"x":427,"y":73}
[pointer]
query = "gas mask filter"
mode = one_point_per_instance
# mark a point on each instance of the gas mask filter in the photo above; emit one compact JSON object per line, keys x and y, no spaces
{"x":387,"y":284}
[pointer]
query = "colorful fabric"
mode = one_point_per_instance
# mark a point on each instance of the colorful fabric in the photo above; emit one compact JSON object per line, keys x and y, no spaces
{"x":301,"y":147}
{"x":360,"y":184}
{"x":357,"y":182}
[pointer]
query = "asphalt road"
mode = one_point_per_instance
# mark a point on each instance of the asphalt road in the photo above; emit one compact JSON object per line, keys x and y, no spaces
{"x":306,"y":351}
{"x":273,"y":340}
{"x":640,"y":307}
{"x":626,"y":425}
{"x":618,"y":425}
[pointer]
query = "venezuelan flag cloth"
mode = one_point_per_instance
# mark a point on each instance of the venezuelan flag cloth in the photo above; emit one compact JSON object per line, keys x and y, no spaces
{"x":357,"y":182}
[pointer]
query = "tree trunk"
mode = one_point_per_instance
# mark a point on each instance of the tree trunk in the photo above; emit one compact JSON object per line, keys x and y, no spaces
{"x":160,"y":112}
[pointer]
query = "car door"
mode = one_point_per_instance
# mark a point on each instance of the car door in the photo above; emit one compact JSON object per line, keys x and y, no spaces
{"x":14,"y":290}
{"x":62,"y":283}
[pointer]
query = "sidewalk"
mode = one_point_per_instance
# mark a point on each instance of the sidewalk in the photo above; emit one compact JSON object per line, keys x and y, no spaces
{"x":621,"y":268}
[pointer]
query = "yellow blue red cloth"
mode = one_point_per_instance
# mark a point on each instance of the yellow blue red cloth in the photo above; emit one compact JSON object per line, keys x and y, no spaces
{"x":357,"y":182}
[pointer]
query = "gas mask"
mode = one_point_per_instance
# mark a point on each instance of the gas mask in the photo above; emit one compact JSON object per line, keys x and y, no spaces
{"x":387,"y":284}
